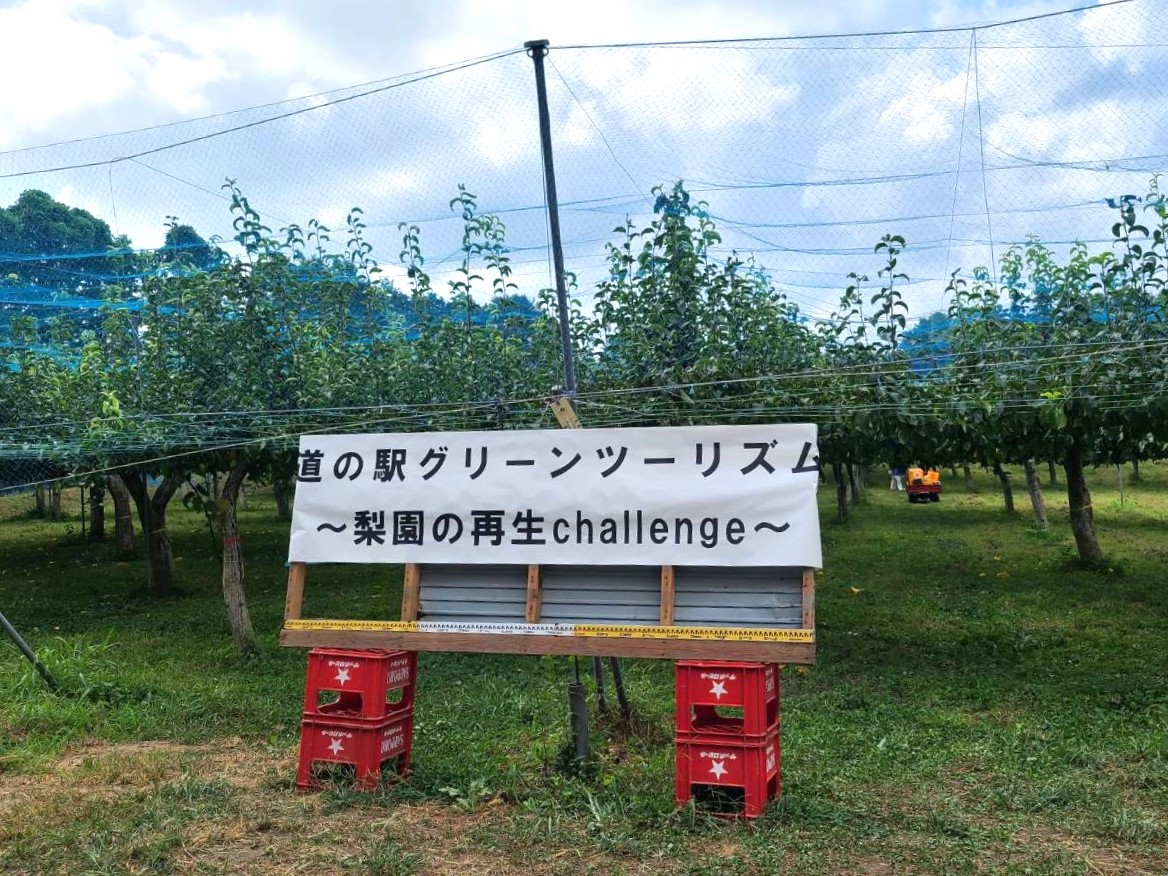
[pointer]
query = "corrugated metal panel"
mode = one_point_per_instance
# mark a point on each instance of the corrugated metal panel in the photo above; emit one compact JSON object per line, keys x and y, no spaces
{"x":603,"y":577}
{"x":485,"y":594}
{"x":704,"y":595}
{"x":473,"y":594}
{"x":602,"y":594}
{"x":738,"y":597}
{"x":627,"y":598}
{"x":467,"y":573}
{"x":582,"y":613}
{"x":776,"y":579}
{"x":738,"y":617}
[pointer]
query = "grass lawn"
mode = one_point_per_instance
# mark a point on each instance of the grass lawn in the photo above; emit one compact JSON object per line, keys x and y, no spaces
{"x":979,"y":706}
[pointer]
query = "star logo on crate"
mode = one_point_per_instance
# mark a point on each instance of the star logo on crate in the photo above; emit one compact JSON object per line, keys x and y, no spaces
{"x":718,"y":768}
{"x":342,"y":676}
{"x":718,"y":689}
{"x":336,"y":746}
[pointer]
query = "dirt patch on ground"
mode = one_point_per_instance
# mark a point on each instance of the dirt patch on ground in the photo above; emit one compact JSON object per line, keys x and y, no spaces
{"x":104,"y":770}
{"x":1097,"y":860}
{"x":251,"y":819}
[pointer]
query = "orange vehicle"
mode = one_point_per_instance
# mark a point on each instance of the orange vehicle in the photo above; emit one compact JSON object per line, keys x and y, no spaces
{"x":923,"y":484}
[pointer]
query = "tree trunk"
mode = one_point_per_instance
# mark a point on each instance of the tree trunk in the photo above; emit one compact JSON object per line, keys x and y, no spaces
{"x":1079,"y":498}
{"x":39,"y":495}
{"x":1135,"y":478}
{"x":968,"y":477}
{"x":1035,"y":490}
{"x":282,"y":489}
{"x":123,"y":517}
{"x":853,"y":483}
{"x":152,"y":517}
{"x":841,"y":491}
{"x":233,"y":593}
{"x":953,"y":472}
{"x":1007,"y":490}
{"x":1053,"y":470}
{"x":97,"y":513}
{"x":55,"y":501}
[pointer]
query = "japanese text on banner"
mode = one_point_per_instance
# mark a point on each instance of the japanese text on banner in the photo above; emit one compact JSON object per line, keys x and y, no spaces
{"x":693,"y":495}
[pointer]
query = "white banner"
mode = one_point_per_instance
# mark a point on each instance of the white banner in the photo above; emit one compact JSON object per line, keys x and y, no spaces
{"x":688,"y":495}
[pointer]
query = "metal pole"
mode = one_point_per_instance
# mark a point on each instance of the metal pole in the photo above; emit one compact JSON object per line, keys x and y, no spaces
{"x":598,"y":674}
{"x":578,"y":711}
{"x":28,"y":652}
{"x":618,"y":681}
{"x":538,"y":49}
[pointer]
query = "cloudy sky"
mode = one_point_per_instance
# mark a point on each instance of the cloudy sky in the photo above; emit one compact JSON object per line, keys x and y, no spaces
{"x":808,"y":148}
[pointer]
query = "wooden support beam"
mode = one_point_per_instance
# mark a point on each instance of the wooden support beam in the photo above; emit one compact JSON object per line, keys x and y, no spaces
{"x":294,"y":601}
{"x":667,"y":596}
{"x":534,"y":593}
{"x":588,"y":646}
{"x":411,"y":592}
{"x":808,"y":599}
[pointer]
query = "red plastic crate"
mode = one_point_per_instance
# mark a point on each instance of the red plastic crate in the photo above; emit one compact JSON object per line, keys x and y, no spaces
{"x":725,"y":762}
{"x":362,"y":681}
{"x":751,"y":690}
{"x":367,"y":746}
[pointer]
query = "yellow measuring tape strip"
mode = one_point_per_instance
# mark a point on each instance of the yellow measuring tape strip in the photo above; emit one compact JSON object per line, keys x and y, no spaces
{"x":721,"y":634}
{"x":359,"y":625}
{"x":593,"y":631}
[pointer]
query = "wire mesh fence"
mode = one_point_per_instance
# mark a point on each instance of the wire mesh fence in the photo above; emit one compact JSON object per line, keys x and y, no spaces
{"x":808,"y":150}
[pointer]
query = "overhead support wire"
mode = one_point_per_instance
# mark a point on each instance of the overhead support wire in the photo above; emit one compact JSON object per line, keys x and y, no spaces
{"x":265,"y":121}
{"x":960,"y":28}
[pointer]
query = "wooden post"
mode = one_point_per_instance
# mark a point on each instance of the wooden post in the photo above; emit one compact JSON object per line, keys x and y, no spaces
{"x":667,"y":596}
{"x":411,"y":592}
{"x":808,"y":599}
{"x":534,"y":593}
{"x":294,"y":602}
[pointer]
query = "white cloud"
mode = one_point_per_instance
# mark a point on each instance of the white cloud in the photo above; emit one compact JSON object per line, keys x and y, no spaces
{"x":390,"y":181}
{"x":54,"y":65}
{"x":577,"y":129}
{"x":68,"y":194}
{"x":181,"y":81}
{"x":60,"y":61}
{"x":333,"y":216}
{"x":731,"y":92}
{"x":1114,"y":31}
{"x":268,"y":45}
{"x":1090,"y":132}
{"x":929,"y":107}
{"x":501,"y":136}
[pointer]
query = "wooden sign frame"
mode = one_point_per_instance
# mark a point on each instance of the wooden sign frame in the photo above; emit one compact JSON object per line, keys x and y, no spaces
{"x":535,"y":634}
